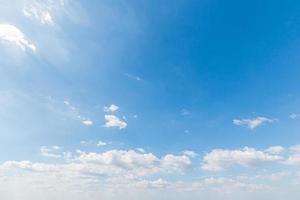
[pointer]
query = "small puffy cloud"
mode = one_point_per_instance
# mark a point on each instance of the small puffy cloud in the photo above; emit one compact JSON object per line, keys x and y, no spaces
{"x":87,"y":122}
{"x":294,"y":115}
{"x":12,"y":34}
{"x":111,"y":108}
{"x":53,"y":152}
{"x":253,"y":122}
{"x":220,"y":159}
{"x":274,"y":150}
{"x":114,"y":121}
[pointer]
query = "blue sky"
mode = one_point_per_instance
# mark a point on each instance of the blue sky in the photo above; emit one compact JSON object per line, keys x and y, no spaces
{"x":173,"y":99}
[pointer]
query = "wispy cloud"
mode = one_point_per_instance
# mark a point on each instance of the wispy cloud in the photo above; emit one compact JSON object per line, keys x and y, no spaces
{"x":294,"y":115}
{"x":39,"y":11}
{"x":252,"y":123}
{"x":133,"y":77}
{"x":10,"y":33}
{"x":53,"y":151}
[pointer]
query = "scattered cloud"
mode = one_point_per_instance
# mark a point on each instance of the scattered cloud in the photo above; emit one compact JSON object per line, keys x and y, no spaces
{"x":87,"y":122}
{"x":14,"y":35}
{"x":221,"y":159}
{"x":115,"y":170}
{"x":114,"y":121}
{"x":111,"y":108}
{"x":253,"y":122}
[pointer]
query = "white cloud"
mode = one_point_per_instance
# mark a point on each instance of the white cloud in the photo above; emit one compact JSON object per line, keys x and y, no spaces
{"x":191,"y":154}
{"x":87,"y":122}
{"x":253,"y":122}
{"x":138,"y":173}
{"x":294,"y":158}
{"x":114,"y":121}
{"x":175,"y":163}
{"x":295,"y":149}
{"x":111,"y":108}
{"x":53,"y":152}
{"x":12,"y":34}
{"x":220,"y":159}
{"x":274,"y":150}
{"x":101,"y":144}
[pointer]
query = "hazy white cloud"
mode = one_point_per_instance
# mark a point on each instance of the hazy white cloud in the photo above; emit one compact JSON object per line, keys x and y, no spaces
{"x":220,"y":159}
{"x":137,"y":78}
{"x":101,"y":144}
{"x":274,"y":150}
{"x":87,"y":122}
{"x":53,"y":152}
{"x":253,"y":122}
{"x":111,"y":108}
{"x":294,"y":115}
{"x":114,"y":121}
{"x":14,"y":35}
{"x":39,"y":11}
{"x":175,"y":163}
{"x":294,"y":157}
{"x":189,"y":153}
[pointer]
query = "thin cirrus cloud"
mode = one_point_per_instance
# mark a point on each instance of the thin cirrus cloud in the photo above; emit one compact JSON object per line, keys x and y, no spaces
{"x":12,"y":34}
{"x":39,"y":12}
{"x":252,"y":123}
